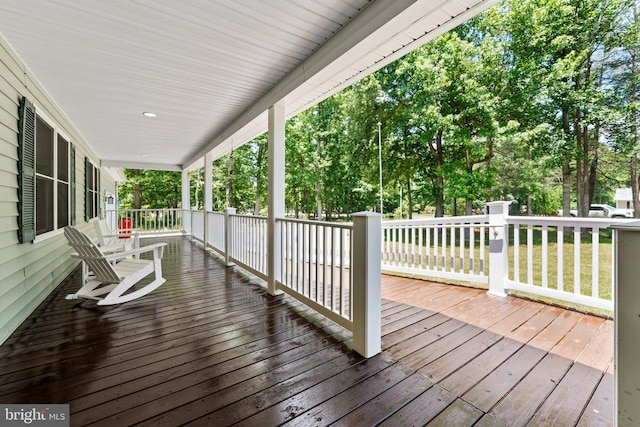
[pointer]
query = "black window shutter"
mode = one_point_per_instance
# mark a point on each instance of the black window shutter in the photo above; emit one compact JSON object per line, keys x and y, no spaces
{"x":72,"y":183}
{"x":26,"y":171}
{"x":88,"y":200}
{"x":98,"y":198}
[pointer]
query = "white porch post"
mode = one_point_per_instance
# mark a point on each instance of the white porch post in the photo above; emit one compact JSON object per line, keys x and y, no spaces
{"x":186,"y":202}
{"x":498,"y":247}
{"x":228,"y":236}
{"x":626,"y":296}
{"x":366,"y":265}
{"x":276,"y":194}
{"x":208,"y":196}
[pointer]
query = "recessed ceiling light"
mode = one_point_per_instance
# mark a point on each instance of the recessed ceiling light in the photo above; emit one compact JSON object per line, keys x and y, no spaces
{"x":149,"y":114}
{"x":144,"y":155}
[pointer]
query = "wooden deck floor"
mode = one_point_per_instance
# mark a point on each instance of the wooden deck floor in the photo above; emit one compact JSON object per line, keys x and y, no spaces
{"x":209,"y":348}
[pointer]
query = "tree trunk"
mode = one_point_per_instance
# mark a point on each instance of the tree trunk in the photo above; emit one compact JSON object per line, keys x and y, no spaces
{"x":634,"y":124}
{"x":593,"y":165}
{"x":439,"y":190}
{"x":582,"y":167}
{"x":259,"y":159}
{"x":566,"y":167}
{"x":229,"y":180}
{"x":409,"y":199}
{"x":137,"y":191}
{"x":305,"y":200}
{"x":587,"y":164}
{"x":470,"y":163}
{"x":634,"y":185}
{"x":318,"y":202}
{"x":318,"y":179}
{"x":198,"y":190}
{"x":468,"y":207}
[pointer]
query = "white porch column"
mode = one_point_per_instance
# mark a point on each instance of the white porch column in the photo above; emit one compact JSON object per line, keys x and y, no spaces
{"x":228,"y":236}
{"x":367,"y":298}
{"x":208,"y":196}
{"x":276,"y":194}
{"x":186,"y":202}
{"x":626,"y":296}
{"x":498,"y":246}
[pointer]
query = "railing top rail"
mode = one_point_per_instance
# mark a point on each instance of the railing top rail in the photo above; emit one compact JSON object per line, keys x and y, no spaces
{"x":446,"y":225}
{"x":469,"y":219}
{"x":249,"y":216}
{"x":215,"y":213}
{"x":346,"y":226}
{"x":566,"y":221}
{"x":143,"y":210}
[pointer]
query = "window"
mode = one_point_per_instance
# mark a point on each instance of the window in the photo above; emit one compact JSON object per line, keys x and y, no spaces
{"x":92,"y":190}
{"x":44,"y":167}
{"x":52,"y":178}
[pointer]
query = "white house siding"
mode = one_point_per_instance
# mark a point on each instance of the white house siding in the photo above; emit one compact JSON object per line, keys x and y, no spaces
{"x":29,"y":272}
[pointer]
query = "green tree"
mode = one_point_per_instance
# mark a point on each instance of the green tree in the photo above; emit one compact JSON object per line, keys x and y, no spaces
{"x":150,"y":189}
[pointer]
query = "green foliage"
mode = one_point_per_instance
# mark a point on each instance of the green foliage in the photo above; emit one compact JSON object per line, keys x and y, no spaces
{"x":149,"y":189}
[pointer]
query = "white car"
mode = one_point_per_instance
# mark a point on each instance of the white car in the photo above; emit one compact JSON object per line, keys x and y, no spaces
{"x":598,"y":211}
{"x":622,"y":213}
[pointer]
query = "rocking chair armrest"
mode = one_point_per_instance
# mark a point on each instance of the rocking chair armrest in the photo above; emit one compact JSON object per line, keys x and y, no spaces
{"x":143,"y":249}
{"x":132,"y":231}
{"x":110,"y":249}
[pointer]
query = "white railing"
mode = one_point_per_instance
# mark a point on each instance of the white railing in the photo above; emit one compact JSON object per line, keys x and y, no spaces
{"x":568,"y":259}
{"x":216,"y":231}
{"x":565,"y":259}
{"x":147,"y":221}
{"x":313,"y":262}
{"x":186,"y":221}
{"x":197,"y":225}
{"x":248,"y":243}
{"x":315,"y":265}
{"x":449,"y":248}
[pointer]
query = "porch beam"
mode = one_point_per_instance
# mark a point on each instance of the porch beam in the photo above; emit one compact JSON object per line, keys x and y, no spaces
{"x":186,"y":202}
{"x":276,"y":153}
{"x":186,"y":191}
{"x":228,"y":241}
{"x":140,"y":165}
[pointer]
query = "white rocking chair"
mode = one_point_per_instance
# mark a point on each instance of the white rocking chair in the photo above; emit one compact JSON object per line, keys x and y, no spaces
{"x":111,"y":241}
{"x":117,"y":278}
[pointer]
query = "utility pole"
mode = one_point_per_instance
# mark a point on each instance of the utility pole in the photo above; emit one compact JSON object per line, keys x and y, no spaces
{"x":380,"y":161}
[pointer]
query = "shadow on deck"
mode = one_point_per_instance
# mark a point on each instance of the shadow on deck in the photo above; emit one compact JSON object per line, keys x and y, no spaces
{"x":211,"y":348}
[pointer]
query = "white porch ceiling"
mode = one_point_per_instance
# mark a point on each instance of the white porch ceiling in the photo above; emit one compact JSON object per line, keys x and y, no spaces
{"x":208,"y":69}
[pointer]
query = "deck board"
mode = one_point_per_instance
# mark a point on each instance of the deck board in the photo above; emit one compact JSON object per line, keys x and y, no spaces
{"x":459,"y":413}
{"x":497,"y":384}
{"x":422,"y":409}
{"x":211,"y":347}
{"x":521,"y":403}
{"x":599,"y":411}
{"x":480,"y":366}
